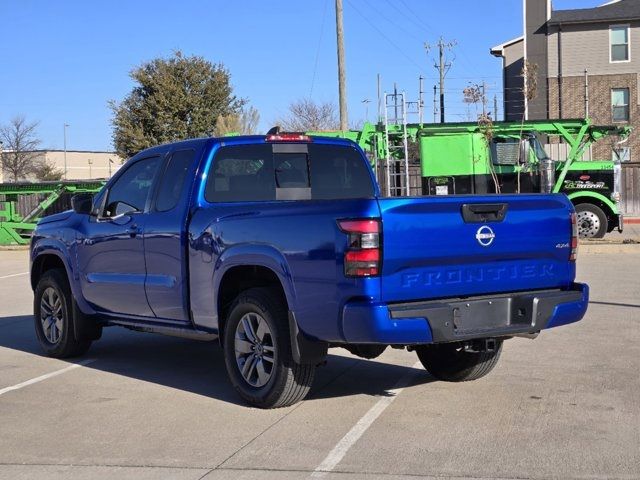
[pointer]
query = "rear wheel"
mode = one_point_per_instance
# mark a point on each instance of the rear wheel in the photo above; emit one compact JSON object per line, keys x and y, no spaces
{"x":451,"y":363}
{"x":592,"y":222}
{"x":53,"y":316}
{"x":257,"y":351}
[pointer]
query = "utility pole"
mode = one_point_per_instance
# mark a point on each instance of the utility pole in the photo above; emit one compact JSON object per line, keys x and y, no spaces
{"x":342,"y":87}
{"x":366,"y":102}
{"x":586,"y":93}
{"x":65,"y":149}
{"x":435,"y":104}
{"x":443,"y":67}
{"x":484,"y":99}
{"x":395,"y":102}
{"x":495,"y":107}
{"x":379,"y":99}
{"x":420,"y":99}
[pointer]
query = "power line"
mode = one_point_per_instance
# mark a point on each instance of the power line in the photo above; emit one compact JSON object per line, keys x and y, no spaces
{"x":315,"y":67}
{"x":405,"y":15}
{"x":388,"y":19}
{"x":383,"y":35}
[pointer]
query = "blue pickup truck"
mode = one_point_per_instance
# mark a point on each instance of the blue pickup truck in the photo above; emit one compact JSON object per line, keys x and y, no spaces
{"x":281,"y":247}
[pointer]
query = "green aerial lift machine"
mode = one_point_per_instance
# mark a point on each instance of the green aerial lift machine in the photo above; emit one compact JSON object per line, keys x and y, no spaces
{"x":502,"y":157}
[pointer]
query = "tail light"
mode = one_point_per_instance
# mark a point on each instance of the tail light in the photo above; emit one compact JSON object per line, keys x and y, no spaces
{"x":362,"y":258}
{"x":574,"y":237}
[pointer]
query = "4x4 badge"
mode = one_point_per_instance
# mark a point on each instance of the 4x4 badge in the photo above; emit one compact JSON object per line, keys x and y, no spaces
{"x":485,"y":236}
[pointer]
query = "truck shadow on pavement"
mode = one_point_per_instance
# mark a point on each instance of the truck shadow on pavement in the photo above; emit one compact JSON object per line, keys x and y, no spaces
{"x":198,"y":367}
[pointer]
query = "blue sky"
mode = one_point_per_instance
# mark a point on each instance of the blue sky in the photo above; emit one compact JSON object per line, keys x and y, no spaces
{"x":63,"y":61}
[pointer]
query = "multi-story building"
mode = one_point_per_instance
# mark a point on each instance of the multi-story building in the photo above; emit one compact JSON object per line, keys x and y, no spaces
{"x":581,"y":63}
{"x":588,"y":65}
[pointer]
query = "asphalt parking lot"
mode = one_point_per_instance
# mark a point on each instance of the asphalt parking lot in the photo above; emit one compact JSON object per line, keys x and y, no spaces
{"x":566,"y":405}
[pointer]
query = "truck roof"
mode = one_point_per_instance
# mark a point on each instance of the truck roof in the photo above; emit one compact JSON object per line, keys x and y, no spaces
{"x":243,"y":139}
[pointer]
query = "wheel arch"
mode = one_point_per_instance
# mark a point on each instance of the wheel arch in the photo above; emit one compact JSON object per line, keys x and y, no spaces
{"x":246,"y":266}
{"x":605,"y":204}
{"x":45,"y":256}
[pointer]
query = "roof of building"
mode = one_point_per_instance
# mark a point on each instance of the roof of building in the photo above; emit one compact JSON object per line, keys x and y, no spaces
{"x":498,"y":50}
{"x":618,"y":10}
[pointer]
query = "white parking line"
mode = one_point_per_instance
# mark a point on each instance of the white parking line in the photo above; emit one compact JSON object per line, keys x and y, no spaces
{"x":46,"y":376}
{"x":14,"y":275}
{"x":353,"y":435}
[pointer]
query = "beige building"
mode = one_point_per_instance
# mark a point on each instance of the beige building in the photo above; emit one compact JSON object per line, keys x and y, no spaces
{"x":79,"y":165}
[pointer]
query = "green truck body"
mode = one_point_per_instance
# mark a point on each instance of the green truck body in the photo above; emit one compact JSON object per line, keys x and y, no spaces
{"x":508,"y":157}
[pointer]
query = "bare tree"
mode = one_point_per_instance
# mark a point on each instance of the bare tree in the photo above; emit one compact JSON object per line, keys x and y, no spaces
{"x":473,"y":94}
{"x":243,"y":123}
{"x":306,"y":115}
{"x":20,"y":141}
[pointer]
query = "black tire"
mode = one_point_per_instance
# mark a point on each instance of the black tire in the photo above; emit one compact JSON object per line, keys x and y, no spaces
{"x":288,"y":382}
{"x":592,"y":221}
{"x":65,"y":344}
{"x":449,"y":361}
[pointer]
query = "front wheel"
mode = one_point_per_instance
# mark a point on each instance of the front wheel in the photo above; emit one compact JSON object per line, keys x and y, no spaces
{"x":53,"y":316}
{"x":257,"y":351}
{"x":452,"y":363}
{"x":592,"y":222}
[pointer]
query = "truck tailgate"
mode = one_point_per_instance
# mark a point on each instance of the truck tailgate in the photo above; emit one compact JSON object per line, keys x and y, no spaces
{"x":430,"y":251}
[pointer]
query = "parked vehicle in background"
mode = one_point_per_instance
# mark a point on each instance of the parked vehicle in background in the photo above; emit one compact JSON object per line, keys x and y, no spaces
{"x":281,"y":247}
{"x":501,"y":157}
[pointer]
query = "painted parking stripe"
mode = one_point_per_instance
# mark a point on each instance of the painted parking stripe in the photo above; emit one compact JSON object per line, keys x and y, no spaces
{"x":46,"y":376}
{"x":353,"y":435}
{"x":14,"y":275}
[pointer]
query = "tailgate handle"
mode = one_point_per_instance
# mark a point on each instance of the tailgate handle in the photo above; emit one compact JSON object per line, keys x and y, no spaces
{"x":483,"y":212}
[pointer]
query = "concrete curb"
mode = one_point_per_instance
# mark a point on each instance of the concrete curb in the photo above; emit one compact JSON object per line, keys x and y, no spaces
{"x":603,"y":247}
{"x":9,"y":248}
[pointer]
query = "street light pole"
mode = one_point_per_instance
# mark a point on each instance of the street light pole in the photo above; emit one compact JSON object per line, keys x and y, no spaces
{"x":65,"y":150}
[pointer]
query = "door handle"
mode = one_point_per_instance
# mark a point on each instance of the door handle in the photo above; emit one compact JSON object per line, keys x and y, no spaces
{"x":133,"y":230}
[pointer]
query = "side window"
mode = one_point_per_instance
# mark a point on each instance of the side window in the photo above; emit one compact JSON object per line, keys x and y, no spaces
{"x":173,"y":180}
{"x":242,"y":173}
{"x":130,"y":191}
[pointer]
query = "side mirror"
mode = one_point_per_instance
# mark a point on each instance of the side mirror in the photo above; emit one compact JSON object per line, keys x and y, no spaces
{"x":82,"y":203}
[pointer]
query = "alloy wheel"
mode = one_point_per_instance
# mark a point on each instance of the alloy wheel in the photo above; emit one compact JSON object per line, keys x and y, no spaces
{"x":51,"y":315}
{"x":254,"y":349}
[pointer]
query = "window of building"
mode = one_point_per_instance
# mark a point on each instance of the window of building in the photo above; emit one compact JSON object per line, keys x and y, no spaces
{"x":620,"y":104}
{"x":621,"y":154}
{"x":619,"y":40}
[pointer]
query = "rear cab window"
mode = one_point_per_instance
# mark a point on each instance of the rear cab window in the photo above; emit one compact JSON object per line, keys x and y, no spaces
{"x":264,"y":172}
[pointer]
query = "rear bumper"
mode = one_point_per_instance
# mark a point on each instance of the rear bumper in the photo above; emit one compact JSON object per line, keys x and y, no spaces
{"x":458,"y":319}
